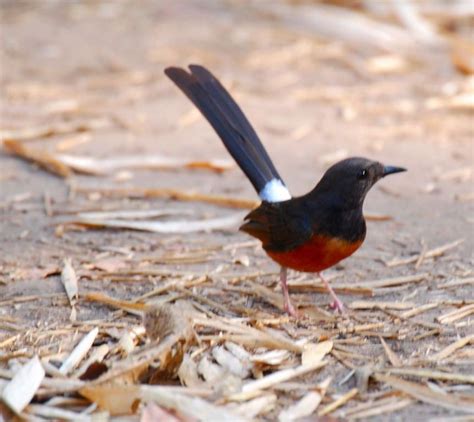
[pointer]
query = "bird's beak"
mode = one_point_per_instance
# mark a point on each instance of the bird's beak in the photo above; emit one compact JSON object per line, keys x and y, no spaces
{"x":391,"y":170}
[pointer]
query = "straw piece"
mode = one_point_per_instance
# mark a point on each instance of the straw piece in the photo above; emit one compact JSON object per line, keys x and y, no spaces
{"x":427,"y":395}
{"x":443,"y":354}
{"x":280,"y":376}
{"x":392,"y":357}
{"x":175,"y":194}
{"x":431,"y":374}
{"x":456,"y":315}
{"x":338,"y":403}
{"x":433,"y":253}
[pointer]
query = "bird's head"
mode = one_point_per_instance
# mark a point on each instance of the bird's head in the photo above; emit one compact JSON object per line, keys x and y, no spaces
{"x":347,"y":182}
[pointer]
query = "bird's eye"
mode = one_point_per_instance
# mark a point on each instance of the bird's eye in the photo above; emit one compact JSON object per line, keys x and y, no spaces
{"x":363,"y":174}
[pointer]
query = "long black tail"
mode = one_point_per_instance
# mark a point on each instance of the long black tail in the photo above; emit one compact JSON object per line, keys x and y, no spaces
{"x":230,"y":123}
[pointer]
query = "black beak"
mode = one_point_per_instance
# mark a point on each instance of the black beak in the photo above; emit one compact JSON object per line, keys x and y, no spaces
{"x":391,"y":170}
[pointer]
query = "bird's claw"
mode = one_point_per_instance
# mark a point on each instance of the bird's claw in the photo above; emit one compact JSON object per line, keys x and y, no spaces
{"x":338,"y":306}
{"x":290,"y":310}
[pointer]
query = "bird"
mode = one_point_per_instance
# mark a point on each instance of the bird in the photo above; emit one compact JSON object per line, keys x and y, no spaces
{"x":308,"y":233}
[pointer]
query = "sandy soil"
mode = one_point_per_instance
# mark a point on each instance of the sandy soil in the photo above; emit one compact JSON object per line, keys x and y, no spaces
{"x":307,"y":100}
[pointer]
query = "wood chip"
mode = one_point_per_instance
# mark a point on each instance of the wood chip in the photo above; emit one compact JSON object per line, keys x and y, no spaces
{"x":19,"y":392}
{"x":79,"y":352}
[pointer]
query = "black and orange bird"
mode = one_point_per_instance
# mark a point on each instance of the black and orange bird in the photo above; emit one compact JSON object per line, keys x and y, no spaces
{"x":309,"y":233}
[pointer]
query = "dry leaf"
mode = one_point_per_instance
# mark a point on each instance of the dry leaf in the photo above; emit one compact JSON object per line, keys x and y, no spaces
{"x":314,"y":353}
{"x":118,"y":399}
{"x":69,"y":280}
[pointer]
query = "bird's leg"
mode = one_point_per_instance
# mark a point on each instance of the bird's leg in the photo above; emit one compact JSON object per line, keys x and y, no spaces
{"x":287,"y":305}
{"x":337,"y":303}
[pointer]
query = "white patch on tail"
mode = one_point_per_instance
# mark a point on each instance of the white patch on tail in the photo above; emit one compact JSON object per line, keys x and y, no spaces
{"x":274,"y":191}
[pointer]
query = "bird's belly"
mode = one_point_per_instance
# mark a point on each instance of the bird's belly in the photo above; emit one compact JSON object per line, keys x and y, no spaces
{"x":317,"y":254}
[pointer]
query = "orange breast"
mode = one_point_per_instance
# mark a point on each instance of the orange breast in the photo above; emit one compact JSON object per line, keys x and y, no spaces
{"x":319,"y":253}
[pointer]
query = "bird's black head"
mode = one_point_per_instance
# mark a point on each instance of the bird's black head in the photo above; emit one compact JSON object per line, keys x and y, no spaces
{"x":346,"y":183}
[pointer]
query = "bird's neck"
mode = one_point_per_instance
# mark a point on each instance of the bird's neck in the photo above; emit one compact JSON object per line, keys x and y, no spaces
{"x":336,"y":216}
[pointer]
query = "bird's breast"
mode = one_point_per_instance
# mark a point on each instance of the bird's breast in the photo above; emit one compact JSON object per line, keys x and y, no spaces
{"x":317,"y":254}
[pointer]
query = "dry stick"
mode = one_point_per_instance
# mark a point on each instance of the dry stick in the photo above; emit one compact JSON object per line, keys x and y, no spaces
{"x":173,"y":194}
{"x":423,"y":324}
{"x":419,"y":310}
{"x":433,"y":253}
{"x":338,"y":403}
{"x":420,"y":259}
{"x":42,"y":158}
{"x":456,"y":283}
{"x":453,"y":316}
{"x":180,"y":195}
{"x":130,"y":307}
{"x":384,"y":406}
{"x":392,"y":357}
{"x":428,"y":373}
{"x":443,"y":354}
{"x":427,"y":395}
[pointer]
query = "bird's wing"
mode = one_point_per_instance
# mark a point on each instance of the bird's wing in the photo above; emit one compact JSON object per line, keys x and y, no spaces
{"x":278,"y":226}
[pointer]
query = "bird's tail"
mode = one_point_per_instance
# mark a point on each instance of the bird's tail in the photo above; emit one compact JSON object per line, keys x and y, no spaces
{"x":235,"y":131}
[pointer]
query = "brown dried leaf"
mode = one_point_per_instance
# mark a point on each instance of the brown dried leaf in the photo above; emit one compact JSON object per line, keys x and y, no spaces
{"x":117,"y":399}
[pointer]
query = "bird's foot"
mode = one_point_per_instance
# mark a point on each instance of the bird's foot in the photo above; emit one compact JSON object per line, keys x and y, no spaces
{"x":338,"y":306}
{"x":290,"y":309}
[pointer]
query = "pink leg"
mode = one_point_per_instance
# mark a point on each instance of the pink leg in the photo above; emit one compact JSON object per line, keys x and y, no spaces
{"x":337,"y":303}
{"x":288,"y":306}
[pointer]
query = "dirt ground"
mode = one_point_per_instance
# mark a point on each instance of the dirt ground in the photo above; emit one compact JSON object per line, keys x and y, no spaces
{"x":312,"y":100}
